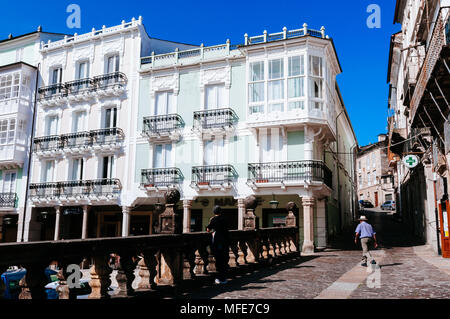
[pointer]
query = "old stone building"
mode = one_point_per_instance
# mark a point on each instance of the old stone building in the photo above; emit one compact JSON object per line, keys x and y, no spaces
{"x":374,"y":179}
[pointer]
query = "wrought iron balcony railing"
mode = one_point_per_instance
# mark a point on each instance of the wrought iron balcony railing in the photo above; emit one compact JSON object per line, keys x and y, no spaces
{"x":218,"y":118}
{"x":52,"y":91}
{"x":101,"y":82}
{"x":8,"y":200}
{"x":85,"y":188}
{"x":79,"y":86}
{"x":107,"y":136}
{"x":300,"y":171}
{"x":159,"y":124}
{"x":116,"y":79}
{"x":158,"y":177}
{"x":213,"y":175}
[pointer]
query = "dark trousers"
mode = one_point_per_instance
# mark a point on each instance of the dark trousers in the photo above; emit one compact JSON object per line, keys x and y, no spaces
{"x":222,"y":256}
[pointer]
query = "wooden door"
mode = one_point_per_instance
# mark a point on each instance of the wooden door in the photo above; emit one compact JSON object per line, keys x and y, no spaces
{"x":376,"y":199}
{"x":444,"y":209}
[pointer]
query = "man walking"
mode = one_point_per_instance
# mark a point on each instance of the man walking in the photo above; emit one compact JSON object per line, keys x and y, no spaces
{"x":367,"y":235}
{"x":220,"y":244}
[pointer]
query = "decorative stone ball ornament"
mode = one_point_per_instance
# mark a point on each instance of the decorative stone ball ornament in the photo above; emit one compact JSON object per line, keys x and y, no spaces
{"x":172,"y":197}
{"x":251,"y":202}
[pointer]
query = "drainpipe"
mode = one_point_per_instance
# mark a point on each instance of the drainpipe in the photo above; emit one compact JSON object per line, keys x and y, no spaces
{"x":352,"y":151}
{"x":338,"y":173}
{"x":30,"y":153}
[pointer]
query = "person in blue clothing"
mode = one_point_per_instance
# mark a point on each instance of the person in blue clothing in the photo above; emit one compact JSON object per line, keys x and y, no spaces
{"x":367,"y":234}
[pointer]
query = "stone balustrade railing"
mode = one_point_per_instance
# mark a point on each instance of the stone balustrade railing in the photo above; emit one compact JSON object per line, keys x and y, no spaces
{"x":161,"y":259}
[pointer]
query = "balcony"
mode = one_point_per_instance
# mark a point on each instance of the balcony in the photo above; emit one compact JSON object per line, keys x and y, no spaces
{"x":213,"y":177}
{"x":80,"y":90}
{"x":101,"y":191}
{"x":8,"y":200}
{"x":160,"y":126}
{"x":161,"y":178}
{"x":295,"y":173}
{"x":215,"y":120}
{"x":111,"y":84}
{"x":105,"y":140}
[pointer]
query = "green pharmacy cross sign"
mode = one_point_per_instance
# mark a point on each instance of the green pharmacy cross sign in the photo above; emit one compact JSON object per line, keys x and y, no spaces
{"x":411,"y":161}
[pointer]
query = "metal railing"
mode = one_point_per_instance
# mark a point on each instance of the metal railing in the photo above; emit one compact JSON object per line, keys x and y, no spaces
{"x":105,"y":81}
{"x":101,"y":82}
{"x":8,"y":200}
{"x":105,"y":136}
{"x":157,"y":177}
{"x":84,"y":188}
{"x":213,"y":174}
{"x":79,"y":86}
{"x":300,"y":171}
{"x":162,"y":124}
{"x":215,"y":118}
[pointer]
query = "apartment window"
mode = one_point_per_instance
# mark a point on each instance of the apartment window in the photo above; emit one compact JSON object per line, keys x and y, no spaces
{"x":164,"y":103}
{"x":214,"y":151}
{"x":276,"y":85}
{"x":296,"y":82}
{"x":9,"y":182}
{"x":7,"y":131}
{"x":112,"y":64}
{"x":21,"y":131}
{"x":108,"y":167}
{"x":9,"y":86}
{"x":214,"y":97}
{"x":47,"y":174}
{"x":78,"y":122}
{"x":272,"y":146}
{"x":76,"y":172}
{"x":369,"y":182}
{"x":110,"y":118}
{"x":51,"y":125}
{"x":256,"y":87}
{"x":316,"y":82}
{"x":82,"y":70}
{"x":374,"y":162}
{"x":162,"y":156}
{"x":56,"y":75}
{"x":360,"y":181}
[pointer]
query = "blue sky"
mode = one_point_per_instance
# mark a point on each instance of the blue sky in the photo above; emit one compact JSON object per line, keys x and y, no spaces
{"x":363,"y":52}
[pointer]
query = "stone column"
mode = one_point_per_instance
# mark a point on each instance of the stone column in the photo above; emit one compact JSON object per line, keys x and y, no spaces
{"x":85,"y":222}
{"x":126,"y":221}
{"x":57,"y":222}
{"x":187,"y":205}
{"x":308,"y":225}
{"x":321,"y":224}
{"x":241,"y":213}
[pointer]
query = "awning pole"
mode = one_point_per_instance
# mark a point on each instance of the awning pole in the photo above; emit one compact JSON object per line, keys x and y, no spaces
{"x":433,"y":125}
{"x":437,"y":84}
{"x":439,"y":108}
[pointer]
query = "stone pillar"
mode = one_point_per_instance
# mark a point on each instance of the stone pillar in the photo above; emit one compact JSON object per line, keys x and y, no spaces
{"x":308,"y":225}
{"x":57,"y":222}
{"x":241,"y":213}
{"x":321,"y":224}
{"x":85,"y":222}
{"x":250,"y":204}
{"x":100,"y":278}
{"x":126,"y":221}
{"x":187,"y":205}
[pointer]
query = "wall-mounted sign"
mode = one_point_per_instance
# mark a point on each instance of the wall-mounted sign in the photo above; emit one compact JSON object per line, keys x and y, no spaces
{"x":411,"y":161}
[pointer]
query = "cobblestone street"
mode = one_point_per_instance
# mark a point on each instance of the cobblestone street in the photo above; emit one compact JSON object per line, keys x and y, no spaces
{"x":407,"y":270}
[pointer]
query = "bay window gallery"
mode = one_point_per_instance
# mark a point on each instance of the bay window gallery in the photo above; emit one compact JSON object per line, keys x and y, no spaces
{"x":280,"y":85}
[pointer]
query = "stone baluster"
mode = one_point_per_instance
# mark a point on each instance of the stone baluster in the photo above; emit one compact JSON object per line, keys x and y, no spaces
{"x":253,"y":251}
{"x":100,"y":277}
{"x":64,"y":292}
{"x":171,"y":266}
{"x":125,"y":275}
{"x":243,"y":252}
{"x":189,"y":264}
{"x":204,"y":256}
{"x":284,"y":33}
{"x":234,"y":254}
{"x":147,"y":270}
{"x":33,"y":285}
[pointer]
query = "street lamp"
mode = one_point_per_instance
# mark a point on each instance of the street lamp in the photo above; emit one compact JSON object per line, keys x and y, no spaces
{"x":274,"y":203}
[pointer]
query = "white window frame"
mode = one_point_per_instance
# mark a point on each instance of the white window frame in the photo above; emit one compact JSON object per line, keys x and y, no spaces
{"x":258,"y":107}
{"x":316,"y":101}
{"x":298,"y":102}
{"x":12,"y":187}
